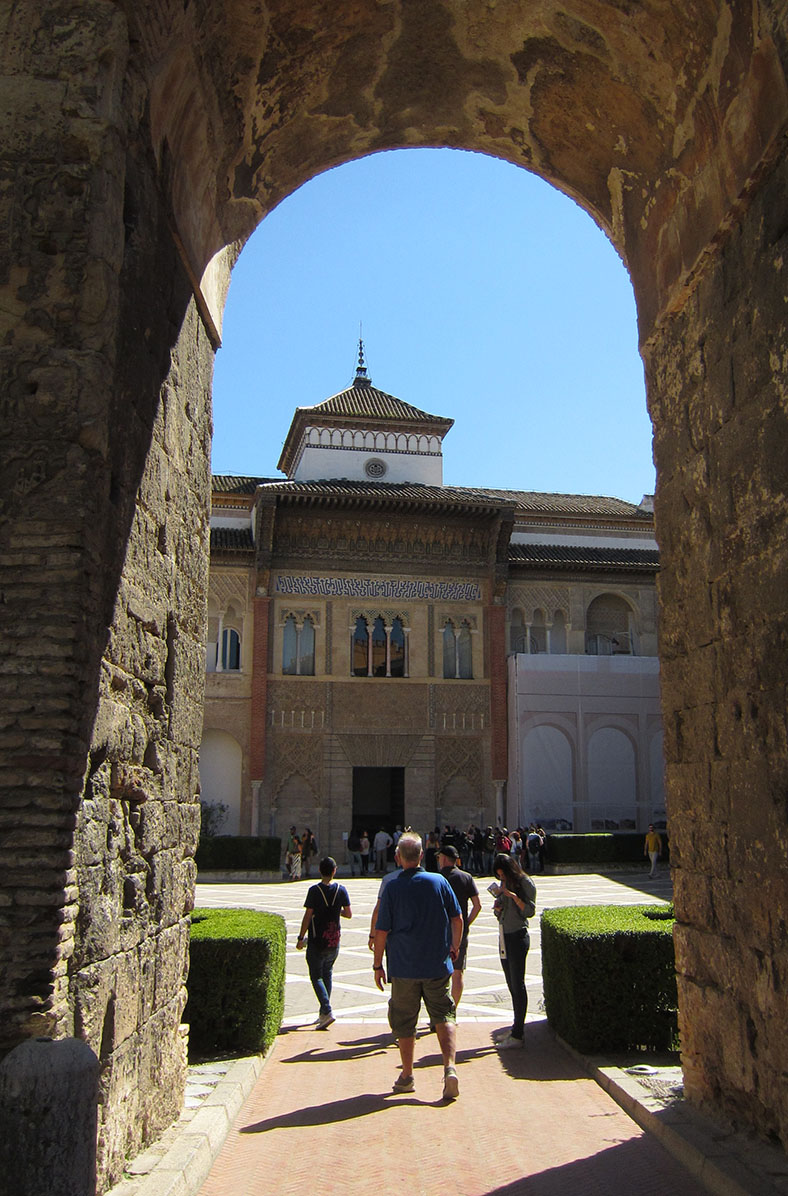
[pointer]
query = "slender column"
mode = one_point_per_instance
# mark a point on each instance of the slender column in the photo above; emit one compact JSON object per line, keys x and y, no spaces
{"x":456,"y":652}
{"x":387,"y":629}
{"x":528,"y":639}
{"x":369,"y":649}
{"x":219,"y":644}
{"x":298,"y":629}
{"x":406,"y":662}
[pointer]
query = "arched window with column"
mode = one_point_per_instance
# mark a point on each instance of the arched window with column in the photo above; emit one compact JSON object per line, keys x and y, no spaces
{"x":457,"y":651}
{"x":379,"y":653}
{"x":558,"y":633}
{"x":398,"y":662}
{"x":231,"y":650}
{"x":359,"y":659}
{"x":610,"y":627}
{"x":379,"y":648}
{"x":298,"y":647}
{"x":306,"y":648}
{"x":290,"y":647}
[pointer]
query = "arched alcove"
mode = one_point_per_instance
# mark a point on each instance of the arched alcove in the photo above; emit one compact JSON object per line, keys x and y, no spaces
{"x":221,"y":770}
{"x":612,"y":780}
{"x":547,"y":779}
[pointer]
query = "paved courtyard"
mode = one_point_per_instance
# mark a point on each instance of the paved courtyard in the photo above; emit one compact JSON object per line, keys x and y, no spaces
{"x":355,"y":998}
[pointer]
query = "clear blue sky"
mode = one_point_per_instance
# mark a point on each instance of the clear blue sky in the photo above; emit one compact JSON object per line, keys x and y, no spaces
{"x":485,"y":295}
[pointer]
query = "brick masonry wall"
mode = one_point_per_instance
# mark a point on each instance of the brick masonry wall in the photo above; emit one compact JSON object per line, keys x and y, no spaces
{"x":719,"y":386}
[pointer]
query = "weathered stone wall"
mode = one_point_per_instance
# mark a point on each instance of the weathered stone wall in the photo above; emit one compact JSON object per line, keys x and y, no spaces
{"x":718,"y":377}
{"x":103,"y":553}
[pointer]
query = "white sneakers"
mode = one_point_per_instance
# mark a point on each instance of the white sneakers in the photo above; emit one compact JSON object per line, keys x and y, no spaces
{"x":510,"y":1041}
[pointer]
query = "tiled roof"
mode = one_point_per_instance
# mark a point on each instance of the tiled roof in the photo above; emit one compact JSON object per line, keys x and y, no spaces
{"x":571,"y":556}
{"x":528,"y":501}
{"x":362,"y":400}
{"x":231,"y":539}
{"x":537,"y":502}
{"x":227,"y":483}
{"x":407,"y":492}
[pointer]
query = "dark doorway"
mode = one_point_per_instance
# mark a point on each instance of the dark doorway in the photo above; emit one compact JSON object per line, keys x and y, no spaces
{"x":378,"y":799}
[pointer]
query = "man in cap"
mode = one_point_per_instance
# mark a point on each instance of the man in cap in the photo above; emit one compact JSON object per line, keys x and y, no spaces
{"x":464,"y":888}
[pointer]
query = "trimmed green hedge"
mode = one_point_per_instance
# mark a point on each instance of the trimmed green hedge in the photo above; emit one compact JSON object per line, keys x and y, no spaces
{"x":236,"y":980}
{"x":239,"y":853}
{"x":609,"y":977}
{"x":604,"y":847}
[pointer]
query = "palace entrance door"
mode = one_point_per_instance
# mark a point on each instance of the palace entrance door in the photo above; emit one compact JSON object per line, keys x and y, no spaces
{"x":378,"y":799}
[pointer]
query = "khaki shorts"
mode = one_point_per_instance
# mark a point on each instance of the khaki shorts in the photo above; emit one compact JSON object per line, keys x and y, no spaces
{"x":405,"y":1002}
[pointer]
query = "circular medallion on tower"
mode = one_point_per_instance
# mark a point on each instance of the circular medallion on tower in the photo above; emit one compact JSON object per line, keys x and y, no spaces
{"x":375,"y":468}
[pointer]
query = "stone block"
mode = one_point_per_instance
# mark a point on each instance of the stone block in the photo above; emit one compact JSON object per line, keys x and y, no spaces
{"x":48,"y":1110}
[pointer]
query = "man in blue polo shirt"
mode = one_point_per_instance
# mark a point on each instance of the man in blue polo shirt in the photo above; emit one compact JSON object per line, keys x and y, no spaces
{"x":419,"y":925}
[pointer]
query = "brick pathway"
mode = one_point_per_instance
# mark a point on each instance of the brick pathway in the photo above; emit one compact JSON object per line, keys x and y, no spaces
{"x":527,"y":1123}
{"x":323,"y":1118}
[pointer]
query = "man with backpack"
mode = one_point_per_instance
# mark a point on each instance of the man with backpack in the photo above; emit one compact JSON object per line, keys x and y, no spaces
{"x":324,"y":905}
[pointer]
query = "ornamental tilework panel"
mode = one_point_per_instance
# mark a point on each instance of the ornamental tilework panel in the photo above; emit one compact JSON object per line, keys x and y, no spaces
{"x":387,"y":706}
{"x":381,"y":589}
{"x":458,"y":757}
{"x":291,"y":755}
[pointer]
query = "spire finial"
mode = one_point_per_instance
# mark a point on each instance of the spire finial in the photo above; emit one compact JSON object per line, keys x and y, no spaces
{"x":361,"y":378}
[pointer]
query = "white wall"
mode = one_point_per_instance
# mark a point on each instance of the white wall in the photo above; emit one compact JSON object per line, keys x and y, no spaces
{"x":221,"y":768}
{"x":585,"y":741}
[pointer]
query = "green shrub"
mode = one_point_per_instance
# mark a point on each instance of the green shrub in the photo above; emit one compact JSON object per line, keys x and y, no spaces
{"x":609,"y":977}
{"x":239,"y":853}
{"x":608,"y":847}
{"x":236,"y":980}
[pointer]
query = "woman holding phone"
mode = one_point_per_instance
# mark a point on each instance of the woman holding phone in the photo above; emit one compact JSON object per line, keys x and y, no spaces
{"x":515,"y":903}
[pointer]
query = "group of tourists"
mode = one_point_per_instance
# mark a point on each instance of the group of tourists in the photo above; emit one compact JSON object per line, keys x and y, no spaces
{"x":362,"y":851}
{"x":478,"y":848}
{"x":420,"y":927}
{"x":300,"y":850}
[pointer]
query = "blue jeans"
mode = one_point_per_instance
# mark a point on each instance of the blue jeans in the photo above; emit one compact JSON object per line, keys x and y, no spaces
{"x":355,"y":861}
{"x":321,"y":964}
{"x":517,"y":945}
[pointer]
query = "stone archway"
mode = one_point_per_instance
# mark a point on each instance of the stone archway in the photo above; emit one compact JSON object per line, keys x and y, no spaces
{"x":144,"y":143}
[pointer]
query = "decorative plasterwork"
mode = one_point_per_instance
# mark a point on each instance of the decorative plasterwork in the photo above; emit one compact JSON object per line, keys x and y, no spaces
{"x":370,"y":613}
{"x":299,"y":614}
{"x":458,"y":757}
{"x":300,"y":755}
{"x":311,"y":534}
{"x":539,"y":596}
{"x":379,"y":751}
{"x":457,"y":618}
{"x":227,"y":587}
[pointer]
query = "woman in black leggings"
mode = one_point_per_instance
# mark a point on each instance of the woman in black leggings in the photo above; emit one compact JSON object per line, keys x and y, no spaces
{"x":514,"y":905}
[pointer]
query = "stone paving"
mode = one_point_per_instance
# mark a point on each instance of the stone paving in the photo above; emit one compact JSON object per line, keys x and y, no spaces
{"x":486,"y":998}
{"x":535,"y":1122}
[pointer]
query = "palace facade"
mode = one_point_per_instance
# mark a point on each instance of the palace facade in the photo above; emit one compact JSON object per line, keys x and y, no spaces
{"x":385,"y":649}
